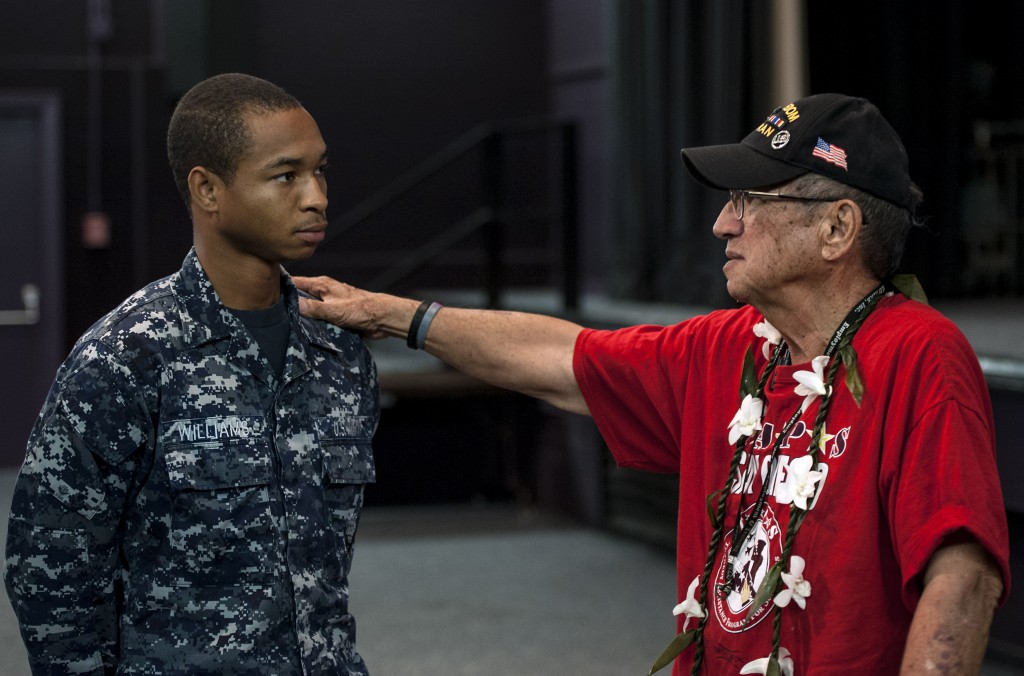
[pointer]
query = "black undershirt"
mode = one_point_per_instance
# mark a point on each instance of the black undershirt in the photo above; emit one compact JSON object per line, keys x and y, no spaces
{"x":270,"y":328}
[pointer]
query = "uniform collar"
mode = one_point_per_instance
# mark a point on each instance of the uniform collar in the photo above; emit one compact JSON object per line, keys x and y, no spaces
{"x":209,"y":320}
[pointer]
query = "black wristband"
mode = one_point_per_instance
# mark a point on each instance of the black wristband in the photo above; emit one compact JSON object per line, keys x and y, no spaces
{"x":414,"y":327}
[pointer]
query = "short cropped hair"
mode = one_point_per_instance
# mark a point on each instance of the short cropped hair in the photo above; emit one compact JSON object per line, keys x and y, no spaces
{"x":885,"y":228}
{"x":208,"y":128}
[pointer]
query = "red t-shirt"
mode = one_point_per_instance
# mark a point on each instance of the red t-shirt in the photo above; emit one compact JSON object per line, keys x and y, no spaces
{"x":913,"y":463}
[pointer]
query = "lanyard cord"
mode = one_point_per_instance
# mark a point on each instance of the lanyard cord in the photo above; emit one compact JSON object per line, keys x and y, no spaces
{"x":745,"y":528}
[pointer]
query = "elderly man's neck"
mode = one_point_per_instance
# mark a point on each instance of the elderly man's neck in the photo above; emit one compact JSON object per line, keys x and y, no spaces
{"x":808,"y":317}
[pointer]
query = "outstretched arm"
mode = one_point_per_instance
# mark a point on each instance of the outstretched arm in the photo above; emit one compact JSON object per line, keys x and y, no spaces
{"x":528,"y":353}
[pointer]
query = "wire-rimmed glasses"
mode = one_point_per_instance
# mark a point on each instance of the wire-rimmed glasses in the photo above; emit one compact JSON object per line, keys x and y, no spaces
{"x":738,"y":199}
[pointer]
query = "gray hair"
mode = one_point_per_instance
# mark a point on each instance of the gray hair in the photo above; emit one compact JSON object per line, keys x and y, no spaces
{"x":885,"y":225}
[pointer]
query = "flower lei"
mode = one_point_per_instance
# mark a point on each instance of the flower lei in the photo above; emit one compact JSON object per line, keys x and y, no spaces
{"x":798,"y":490}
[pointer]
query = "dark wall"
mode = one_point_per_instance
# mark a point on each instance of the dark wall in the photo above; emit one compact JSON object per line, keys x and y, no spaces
{"x":933,"y":68}
{"x":112,"y":118}
{"x":390,"y":82}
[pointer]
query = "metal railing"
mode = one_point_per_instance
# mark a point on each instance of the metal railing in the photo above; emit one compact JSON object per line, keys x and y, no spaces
{"x":490,"y":218}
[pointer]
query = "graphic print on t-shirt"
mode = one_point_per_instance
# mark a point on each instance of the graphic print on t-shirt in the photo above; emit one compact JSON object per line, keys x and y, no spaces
{"x":760,"y":552}
{"x":763,"y":547}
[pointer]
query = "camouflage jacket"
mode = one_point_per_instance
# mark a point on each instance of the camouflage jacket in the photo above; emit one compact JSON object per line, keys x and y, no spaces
{"x":180,"y":509}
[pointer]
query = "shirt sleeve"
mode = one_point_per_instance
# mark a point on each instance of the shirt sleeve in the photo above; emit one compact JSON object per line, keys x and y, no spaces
{"x":943,"y":488}
{"x":62,"y":554}
{"x":629,"y":396}
{"x":645,"y":384}
{"x":944,"y":478}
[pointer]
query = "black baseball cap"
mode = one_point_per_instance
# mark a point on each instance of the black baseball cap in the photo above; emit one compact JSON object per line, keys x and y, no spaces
{"x":841,"y":137}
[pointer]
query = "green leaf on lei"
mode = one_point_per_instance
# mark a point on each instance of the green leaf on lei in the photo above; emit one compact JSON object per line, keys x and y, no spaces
{"x":910,"y":287}
{"x":853,"y":382}
{"x":767,"y":588}
{"x":773,"y":667}
{"x":712,"y":506}
{"x":678,"y":645}
{"x":748,"y":377}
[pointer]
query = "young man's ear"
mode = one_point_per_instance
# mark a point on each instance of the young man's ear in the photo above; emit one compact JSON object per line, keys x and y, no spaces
{"x":205,"y":187}
{"x":840,"y":230}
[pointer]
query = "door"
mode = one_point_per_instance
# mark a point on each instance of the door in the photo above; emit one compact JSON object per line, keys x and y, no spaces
{"x":31,"y":270}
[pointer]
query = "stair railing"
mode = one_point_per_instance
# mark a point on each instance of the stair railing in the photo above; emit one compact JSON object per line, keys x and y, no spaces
{"x":490,"y":140}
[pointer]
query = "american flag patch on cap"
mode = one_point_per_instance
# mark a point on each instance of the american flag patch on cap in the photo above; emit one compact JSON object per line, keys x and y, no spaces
{"x":830,"y":153}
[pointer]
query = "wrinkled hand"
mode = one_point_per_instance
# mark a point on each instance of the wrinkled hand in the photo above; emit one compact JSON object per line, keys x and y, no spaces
{"x":340,"y":304}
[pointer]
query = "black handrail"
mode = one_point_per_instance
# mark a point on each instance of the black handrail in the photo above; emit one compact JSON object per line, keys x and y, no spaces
{"x":432,"y":249}
{"x":489,"y":138}
{"x":409,"y":180}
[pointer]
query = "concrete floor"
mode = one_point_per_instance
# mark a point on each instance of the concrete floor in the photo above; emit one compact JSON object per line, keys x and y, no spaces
{"x":469,"y":590}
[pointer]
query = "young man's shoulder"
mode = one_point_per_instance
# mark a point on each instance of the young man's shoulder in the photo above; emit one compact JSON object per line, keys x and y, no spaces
{"x":148,"y":317}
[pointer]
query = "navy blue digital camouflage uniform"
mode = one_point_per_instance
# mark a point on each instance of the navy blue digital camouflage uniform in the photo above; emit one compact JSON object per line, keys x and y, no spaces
{"x":181,"y":510}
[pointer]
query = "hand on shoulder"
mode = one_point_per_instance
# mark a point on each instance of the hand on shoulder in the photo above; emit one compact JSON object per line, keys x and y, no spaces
{"x":340,"y":304}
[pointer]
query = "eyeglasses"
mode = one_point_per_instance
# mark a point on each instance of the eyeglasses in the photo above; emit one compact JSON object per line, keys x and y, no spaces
{"x":738,"y":199}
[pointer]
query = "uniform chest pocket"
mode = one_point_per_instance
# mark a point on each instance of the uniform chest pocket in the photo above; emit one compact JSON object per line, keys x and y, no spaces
{"x":345,"y":444}
{"x":222,"y":520}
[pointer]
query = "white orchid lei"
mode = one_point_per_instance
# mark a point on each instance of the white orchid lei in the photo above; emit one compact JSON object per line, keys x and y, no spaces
{"x":798,"y":489}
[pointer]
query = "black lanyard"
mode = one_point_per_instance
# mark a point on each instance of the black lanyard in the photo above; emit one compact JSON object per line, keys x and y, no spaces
{"x":865,"y":305}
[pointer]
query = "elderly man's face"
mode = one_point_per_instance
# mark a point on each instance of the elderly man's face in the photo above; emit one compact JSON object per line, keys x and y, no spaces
{"x":773,"y":249}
